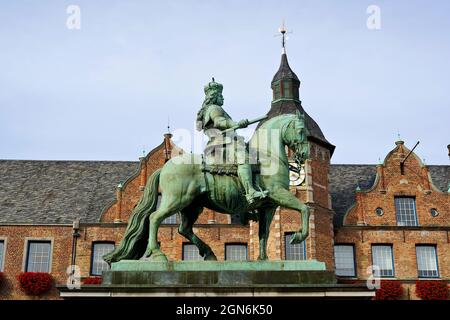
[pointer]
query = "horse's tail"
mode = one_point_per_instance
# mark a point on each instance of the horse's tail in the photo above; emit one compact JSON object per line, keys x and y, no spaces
{"x":134,"y":242}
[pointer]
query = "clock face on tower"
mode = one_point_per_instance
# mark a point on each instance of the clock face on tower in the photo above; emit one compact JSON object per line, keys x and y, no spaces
{"x":296,"y":175}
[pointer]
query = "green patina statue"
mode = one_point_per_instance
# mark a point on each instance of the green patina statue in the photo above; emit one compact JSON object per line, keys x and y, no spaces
{"x":213,"y":120}
{"x":188,"y":184}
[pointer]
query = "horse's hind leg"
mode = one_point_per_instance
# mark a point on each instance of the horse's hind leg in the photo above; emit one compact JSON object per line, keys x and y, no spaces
{"x":169,"y":206}
{"x":265,"y":219}
{"x":188,"y":217}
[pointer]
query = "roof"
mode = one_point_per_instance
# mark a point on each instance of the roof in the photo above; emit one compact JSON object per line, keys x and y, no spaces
{"x":288,"y":107}
{"x":284,"y":71}
{"x":58,"y":192}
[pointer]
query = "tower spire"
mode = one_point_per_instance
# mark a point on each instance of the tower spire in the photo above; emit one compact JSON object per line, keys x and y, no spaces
{"x":285,"y":83}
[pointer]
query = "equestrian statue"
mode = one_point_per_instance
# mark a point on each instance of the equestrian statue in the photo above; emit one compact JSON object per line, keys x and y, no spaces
{"x":231,"y":177}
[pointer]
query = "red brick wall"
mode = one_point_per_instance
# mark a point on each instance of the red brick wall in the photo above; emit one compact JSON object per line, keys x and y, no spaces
{"x":363,"y":227}
{"x":15,"y":254}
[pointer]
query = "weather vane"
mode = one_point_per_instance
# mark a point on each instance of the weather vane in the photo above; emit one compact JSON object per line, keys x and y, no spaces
{"x":168,"y":124}
{"x":283,"y":32}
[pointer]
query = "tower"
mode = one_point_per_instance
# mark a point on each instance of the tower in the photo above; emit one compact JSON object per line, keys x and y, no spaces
{"x":313,"y":189}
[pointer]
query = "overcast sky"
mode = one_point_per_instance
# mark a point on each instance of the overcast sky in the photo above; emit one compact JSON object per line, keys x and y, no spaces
{"x":105,"y":91}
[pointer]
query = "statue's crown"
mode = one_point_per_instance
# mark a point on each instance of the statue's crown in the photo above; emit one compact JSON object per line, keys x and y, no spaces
{"x":213,"y":87}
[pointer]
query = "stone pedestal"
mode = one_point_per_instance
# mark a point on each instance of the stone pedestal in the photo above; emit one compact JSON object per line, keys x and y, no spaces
{"x":135,"y":278}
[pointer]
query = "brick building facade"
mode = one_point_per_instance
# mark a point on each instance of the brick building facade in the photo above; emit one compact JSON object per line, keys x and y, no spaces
{"x":396,"y":216}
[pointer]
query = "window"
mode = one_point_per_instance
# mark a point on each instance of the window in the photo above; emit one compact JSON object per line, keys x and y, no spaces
{"x":382,"y":257}
{"x":190,"y":252}
{"x":99,"y":249}
{"x":434,"y":213}
{"x":2,"y":254}
{"x":294,"y":251}
{"x":406,"y":211}
{"x":344,"y":257}
{"x":235,"y":252}
{"x":379,"y":211}
{"x":427,"y":265}
{"x":38,"y":256}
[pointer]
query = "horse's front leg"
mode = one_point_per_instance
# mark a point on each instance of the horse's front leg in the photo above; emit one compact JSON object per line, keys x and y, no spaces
{"x":265,"y":219}
{"x":286,"y":199}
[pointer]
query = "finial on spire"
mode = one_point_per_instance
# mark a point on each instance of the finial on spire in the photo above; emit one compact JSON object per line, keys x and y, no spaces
{"x":168,"y":124}
{"x":213,"y":79}
{"x":282,"y":30}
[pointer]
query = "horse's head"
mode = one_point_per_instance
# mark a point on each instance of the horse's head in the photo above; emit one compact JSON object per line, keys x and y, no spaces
{"x":295,"y":136}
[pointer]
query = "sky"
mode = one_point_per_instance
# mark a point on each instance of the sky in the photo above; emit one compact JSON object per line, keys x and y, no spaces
{"x":107,"y":90}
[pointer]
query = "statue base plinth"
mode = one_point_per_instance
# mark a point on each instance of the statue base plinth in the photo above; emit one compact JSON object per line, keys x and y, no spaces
{"x":193,"y":265}
{"x":215,"y":273}
{"x":139,"y":278}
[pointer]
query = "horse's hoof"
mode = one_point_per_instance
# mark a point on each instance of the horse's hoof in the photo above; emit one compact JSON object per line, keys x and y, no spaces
{"x":298,"y":238}
{"x":157,"y":256}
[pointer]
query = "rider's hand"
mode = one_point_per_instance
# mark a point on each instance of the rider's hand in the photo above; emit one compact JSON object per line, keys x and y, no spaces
{"x":243,"y":123}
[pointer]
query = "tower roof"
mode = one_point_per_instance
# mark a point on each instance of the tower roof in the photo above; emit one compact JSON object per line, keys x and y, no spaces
{"x":284,"y":104}
{"x":284,"y":71}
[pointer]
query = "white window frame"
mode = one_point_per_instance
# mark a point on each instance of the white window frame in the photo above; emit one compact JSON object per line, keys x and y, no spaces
{"x":392,"y":258}
{"x":352,"y":246}
{"x":287,"y":243}
{"x":236,"y":244}
{"x":398,"y":212}
{"x":436,"y":261}
{"x":184,"y":245}
{"x":25,"y":251}
{"x":93,"y":252}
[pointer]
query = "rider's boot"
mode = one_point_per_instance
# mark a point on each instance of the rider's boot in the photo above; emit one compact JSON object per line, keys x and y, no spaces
{"x":245,"y":175}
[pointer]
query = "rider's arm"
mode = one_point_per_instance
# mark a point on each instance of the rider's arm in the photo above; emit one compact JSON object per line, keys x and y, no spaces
{"x":221,"y":122}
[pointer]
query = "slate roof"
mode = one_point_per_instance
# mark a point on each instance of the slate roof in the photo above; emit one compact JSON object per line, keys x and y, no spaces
{"x":344,"y":179}
{"x":290,"y":107}
{"x":58,"y":192}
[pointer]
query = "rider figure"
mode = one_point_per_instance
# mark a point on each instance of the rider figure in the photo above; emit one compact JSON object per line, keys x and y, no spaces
{"x":212,"y":116}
